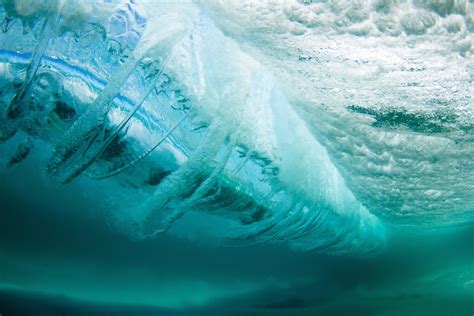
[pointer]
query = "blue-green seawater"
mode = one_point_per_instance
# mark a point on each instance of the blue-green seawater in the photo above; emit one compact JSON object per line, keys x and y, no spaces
{"x":58,"y":258}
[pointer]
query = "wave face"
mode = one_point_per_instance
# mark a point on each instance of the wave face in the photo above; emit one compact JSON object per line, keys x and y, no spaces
{"x":316,"y":124}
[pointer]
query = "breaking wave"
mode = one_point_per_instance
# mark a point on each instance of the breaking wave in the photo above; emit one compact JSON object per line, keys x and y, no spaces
{"x":299,"y":122}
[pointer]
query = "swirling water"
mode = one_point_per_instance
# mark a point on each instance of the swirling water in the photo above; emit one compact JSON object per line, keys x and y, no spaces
{"x":179,"y":142}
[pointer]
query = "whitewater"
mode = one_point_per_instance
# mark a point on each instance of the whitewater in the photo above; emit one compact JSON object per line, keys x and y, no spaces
{"x":317,"y":123}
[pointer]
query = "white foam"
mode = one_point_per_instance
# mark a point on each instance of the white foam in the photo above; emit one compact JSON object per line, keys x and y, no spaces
{"x":412,"y":57}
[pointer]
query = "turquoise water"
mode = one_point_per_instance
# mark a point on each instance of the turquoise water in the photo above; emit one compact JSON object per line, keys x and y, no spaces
{"x":228,"y":158}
